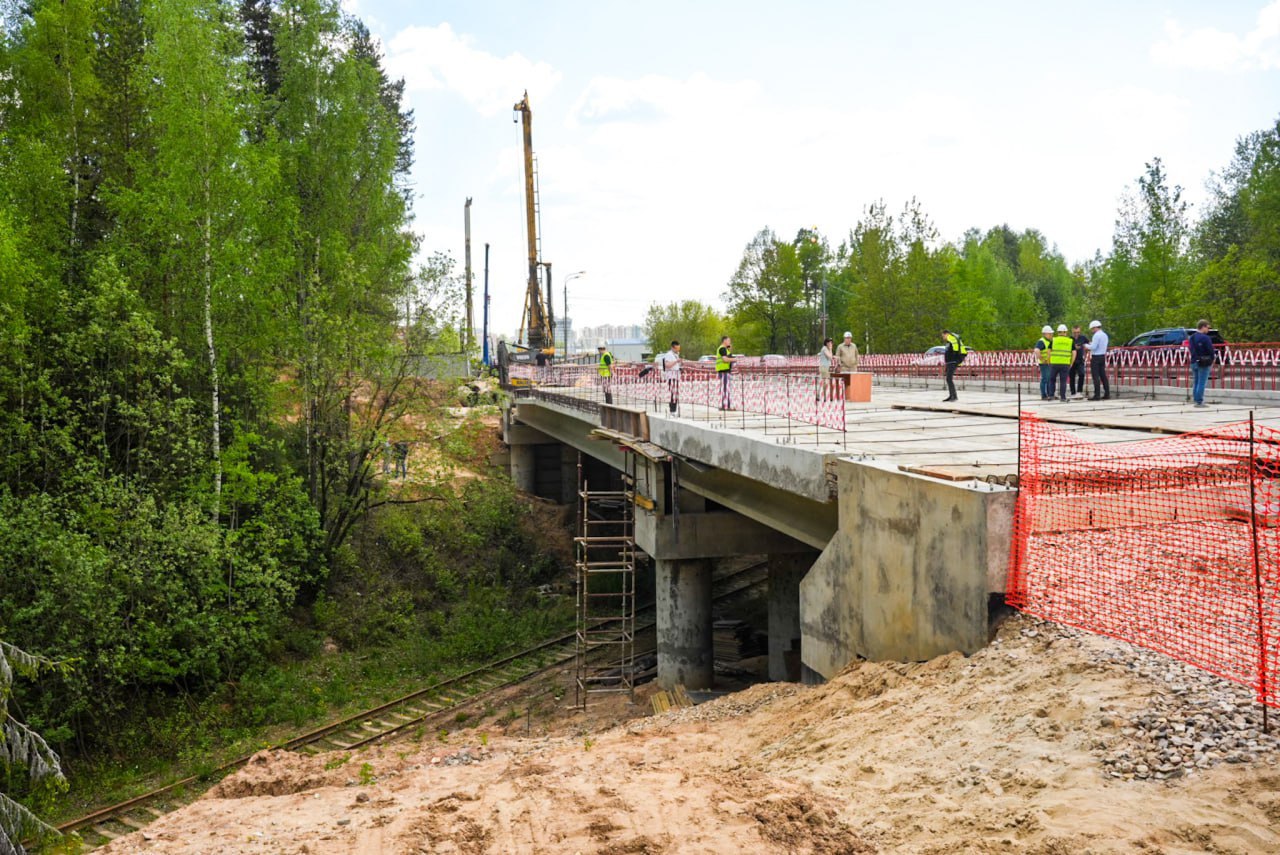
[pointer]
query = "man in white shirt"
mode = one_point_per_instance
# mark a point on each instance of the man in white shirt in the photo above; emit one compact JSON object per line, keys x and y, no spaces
{"x":1098,"y":362}
{"x":669,"y":362}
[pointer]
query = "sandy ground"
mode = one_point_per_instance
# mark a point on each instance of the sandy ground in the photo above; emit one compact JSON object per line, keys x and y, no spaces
{"x":999,"y":752}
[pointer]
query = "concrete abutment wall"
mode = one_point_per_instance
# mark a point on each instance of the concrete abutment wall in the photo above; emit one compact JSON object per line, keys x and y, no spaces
{"x":908,"y":574}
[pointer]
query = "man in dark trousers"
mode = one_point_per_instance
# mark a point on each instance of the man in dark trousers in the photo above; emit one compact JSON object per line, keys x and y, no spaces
{"x":1202,"y":357}
{"x":1061,"y":352}
{"x":605,"y":368}
{"x":956,"y":352}
{"x":1098,"y":345}
{"x":1078,"y":359}
{"x":724,"y":364}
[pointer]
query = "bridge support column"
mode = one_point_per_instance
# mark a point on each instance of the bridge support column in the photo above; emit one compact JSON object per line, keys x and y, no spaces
{"x":684,"y":623}
{"x":524,"y":467}
{"x":785,"y":573}
{"x":568,"y":475}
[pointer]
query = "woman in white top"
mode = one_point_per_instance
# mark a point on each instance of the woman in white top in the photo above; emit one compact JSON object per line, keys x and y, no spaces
{"x":824,"y":360}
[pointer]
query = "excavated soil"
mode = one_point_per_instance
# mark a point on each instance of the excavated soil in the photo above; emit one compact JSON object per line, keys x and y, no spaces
{"x":1010,"y":750}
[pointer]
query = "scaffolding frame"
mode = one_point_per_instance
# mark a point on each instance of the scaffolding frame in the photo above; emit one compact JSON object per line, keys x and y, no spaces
{"x":605,"y":564}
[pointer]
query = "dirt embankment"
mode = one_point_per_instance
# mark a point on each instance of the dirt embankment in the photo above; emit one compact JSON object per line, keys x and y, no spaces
{"x":1015,"y":749}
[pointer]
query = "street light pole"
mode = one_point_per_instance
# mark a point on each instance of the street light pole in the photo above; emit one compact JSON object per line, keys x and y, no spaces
{"x":565,"y":319}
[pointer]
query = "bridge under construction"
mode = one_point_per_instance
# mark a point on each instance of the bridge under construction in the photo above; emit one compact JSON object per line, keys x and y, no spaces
{"x":887,"y":524}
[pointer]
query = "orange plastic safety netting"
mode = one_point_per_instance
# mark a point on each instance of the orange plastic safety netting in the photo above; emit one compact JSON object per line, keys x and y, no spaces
{"x":1170,"y":543}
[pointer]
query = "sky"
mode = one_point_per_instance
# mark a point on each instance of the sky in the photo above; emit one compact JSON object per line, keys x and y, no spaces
{"x":668,"y":134}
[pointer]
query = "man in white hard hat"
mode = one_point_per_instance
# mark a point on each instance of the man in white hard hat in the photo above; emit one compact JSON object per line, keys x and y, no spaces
{"x":847,"y":354}
{"x":605,"y":368}
{"x":1042,"y":359}
{"x":1061,"y":352}
{"x":1098,"y":361}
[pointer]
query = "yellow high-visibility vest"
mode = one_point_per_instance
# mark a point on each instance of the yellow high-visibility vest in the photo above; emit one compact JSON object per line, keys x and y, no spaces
{"x":1060,"y":354}
{"x":606,"y":364}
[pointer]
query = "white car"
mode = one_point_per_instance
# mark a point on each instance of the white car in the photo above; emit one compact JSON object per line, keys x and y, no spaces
{"x":933,"y":356}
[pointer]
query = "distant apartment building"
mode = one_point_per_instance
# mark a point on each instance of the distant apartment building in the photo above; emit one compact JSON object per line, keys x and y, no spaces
{"x":563,"y":332}
{"x":589,"y":337}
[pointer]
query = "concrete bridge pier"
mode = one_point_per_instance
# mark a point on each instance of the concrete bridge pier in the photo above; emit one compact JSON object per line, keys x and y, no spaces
{"x":684,"y":622}
{"x":785,"y":573}
{"x":683,"y":547}
{"x":524,"y":467}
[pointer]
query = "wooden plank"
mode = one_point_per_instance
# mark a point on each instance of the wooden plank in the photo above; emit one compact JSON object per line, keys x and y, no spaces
{"x":661,"y":702}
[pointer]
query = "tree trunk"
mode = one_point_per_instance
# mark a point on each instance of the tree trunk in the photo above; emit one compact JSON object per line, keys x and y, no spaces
{"x":216,"y":432}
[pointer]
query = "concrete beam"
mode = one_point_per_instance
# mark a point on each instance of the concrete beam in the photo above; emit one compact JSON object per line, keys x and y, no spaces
{"x":685,"y":654}
{"x":709,"y":535}
{"x":805,"y":519}
{"x":808,"y":521}
{"x":907,"y":575}
{"x":788,"y":468}
{"x":518,"y":434}
{"x":572,"y":430}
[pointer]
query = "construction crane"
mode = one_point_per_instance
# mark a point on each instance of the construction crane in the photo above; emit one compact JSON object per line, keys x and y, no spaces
{"x":537,"y":336}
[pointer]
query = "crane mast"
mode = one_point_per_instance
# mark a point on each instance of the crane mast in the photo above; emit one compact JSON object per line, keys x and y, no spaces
{"x":536,"y":323}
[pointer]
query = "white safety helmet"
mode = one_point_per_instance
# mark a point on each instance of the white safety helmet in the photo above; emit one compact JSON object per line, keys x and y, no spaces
{"x":1095,"y":325}
{"x":1062,"y":327}
{"x":600,"y":345}
{"x":1046,"y":329}
{"x":848,"y":334}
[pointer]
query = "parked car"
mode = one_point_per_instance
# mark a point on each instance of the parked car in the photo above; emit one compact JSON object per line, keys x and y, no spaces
{"x":706,"y":357}
{"x":933,"y":356}
{"x":1172,"y":336}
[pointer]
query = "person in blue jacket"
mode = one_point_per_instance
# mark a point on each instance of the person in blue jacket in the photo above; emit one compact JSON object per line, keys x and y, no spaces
{"x":1201,"y":361}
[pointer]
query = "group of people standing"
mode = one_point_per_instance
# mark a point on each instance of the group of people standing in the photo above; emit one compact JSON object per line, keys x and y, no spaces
{"x":1062,"y":356}
{"x":844,"y":358}
{"x":669,"y":364}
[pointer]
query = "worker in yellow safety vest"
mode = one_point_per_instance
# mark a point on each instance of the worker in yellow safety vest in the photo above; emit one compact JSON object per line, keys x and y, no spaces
{"x":724,"y":364}
{"x":605,"y":367}
{"x":1062,"y":352}
{"x":955,"y":353}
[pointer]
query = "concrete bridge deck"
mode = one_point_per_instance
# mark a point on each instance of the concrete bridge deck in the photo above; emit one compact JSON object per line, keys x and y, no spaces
{"x":889,"y":537}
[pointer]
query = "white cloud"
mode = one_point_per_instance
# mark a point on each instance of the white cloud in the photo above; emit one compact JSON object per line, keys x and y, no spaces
{"x":1209,"y":49}
{"x":437,"y":58}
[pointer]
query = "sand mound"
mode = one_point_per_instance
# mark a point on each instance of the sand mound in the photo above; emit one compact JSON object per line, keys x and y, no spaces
{"x":277,"y":773}
{"x":1011,"y":750}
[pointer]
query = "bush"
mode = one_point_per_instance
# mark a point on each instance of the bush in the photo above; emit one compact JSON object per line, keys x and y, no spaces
{"x":140,"y":594}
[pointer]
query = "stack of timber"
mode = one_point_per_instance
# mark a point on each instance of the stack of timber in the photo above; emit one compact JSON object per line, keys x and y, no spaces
{"x":735,"y":640}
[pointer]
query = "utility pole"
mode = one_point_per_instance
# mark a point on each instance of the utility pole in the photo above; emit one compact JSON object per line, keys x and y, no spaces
{"x":485,"y":332}
{"x":565,"y":320}
{"x":468,"y":329}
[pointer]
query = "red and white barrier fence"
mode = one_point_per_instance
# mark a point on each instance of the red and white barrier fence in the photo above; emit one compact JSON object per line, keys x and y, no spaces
{"x":1253,"y":367}
{"x":761,"y":389}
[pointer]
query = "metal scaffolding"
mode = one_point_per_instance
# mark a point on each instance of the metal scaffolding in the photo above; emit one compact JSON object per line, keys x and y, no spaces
{"x":605,"y":550}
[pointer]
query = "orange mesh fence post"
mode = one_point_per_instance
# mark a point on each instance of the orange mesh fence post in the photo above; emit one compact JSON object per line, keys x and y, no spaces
{"x":1169,"y":543}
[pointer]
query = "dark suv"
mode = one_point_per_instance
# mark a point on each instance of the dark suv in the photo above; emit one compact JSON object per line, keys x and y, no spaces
{"x":1178,"y":335}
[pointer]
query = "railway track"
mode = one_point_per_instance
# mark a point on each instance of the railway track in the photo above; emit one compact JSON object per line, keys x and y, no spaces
{"x":372,"y":725}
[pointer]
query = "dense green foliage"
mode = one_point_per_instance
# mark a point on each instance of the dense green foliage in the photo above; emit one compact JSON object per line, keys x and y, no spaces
{"x":697,"y":326}
{"x":209,"y":326}
{"x":894,"y":283}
